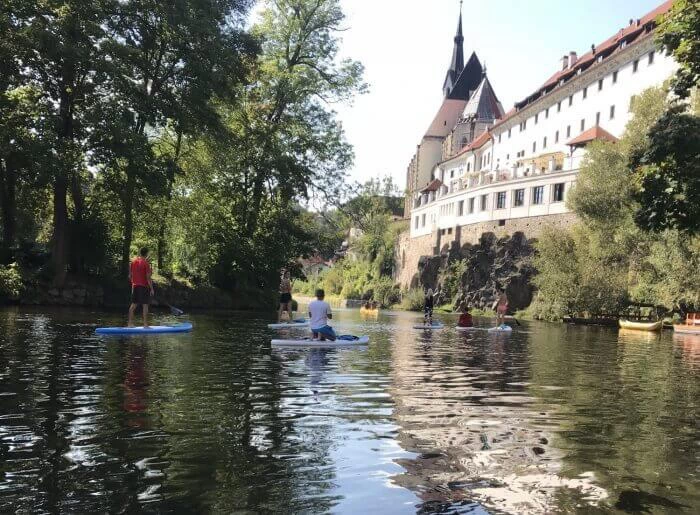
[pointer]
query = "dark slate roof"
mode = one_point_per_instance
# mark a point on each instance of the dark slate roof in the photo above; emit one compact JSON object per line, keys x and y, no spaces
{"x":468,"y":80}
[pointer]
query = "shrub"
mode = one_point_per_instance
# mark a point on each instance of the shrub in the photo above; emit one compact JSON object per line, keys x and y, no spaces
{"x":10,"y":282}
{"x":386,"y":292}
{"x":413,"y":300}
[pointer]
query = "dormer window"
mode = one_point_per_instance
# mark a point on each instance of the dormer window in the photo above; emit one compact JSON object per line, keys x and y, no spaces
{"x":599,"y":59}
{"x":623,"y":43}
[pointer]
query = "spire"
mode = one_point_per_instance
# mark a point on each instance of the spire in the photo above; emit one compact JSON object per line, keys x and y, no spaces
{"x":457,"y":63}
{"x":483,"y":104}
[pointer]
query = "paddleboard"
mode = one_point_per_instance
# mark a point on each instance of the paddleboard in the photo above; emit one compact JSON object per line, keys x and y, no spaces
{"x":436,"y":325}
{"x":293,"y":323}
{"x":154,"y":329}
{"x":501,"y":329}
{"x":468,"y":329}
{"x":308,"y":342}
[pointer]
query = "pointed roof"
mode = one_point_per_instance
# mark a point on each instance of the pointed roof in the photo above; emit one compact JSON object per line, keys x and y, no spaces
{"x":483,"y":104}
{"x":434,"y":185}
{"x":457,"y":62}
{"x":594,"y":133}
{"x":468,"y":80}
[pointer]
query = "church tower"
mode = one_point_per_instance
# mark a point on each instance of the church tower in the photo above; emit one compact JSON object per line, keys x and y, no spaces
{"x":457,"y":63}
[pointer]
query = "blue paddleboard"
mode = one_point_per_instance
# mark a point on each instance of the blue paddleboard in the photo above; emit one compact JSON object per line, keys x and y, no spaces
{"x":154,"y":329}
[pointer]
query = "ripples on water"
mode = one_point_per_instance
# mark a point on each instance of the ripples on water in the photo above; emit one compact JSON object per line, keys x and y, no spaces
{"x":548,"y":419}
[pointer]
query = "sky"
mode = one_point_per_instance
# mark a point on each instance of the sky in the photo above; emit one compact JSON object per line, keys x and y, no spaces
{"x":406,"y":47}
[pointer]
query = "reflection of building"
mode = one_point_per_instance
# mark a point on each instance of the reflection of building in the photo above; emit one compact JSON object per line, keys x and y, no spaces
{"x":478,"y":169}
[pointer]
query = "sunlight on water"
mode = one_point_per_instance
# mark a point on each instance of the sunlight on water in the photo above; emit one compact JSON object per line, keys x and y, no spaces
{"x":548,"y":419}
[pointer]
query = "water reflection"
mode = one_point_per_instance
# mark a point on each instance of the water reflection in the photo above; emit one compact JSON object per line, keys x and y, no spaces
{"x":548,"y":419}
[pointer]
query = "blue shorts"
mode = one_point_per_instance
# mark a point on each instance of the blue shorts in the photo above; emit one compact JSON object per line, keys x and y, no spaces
{"x":326,"y":330}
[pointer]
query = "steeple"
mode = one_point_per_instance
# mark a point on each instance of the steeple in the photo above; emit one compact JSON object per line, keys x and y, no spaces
{"x":457,"y":63}
{"x":483,"y":105}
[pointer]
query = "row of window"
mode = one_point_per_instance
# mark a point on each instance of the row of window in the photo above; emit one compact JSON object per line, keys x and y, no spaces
{"x":500,"y":197}
{"x":523,"y":125}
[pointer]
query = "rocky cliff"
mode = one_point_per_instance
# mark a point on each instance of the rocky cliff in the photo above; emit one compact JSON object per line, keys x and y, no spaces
{"x":491,"y":265}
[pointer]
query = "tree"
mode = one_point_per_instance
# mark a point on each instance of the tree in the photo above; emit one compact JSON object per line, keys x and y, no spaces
{"x":679,"y":34}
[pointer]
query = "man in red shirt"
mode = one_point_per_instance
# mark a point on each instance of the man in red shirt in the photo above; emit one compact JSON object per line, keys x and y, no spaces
{"x":141,"y":286}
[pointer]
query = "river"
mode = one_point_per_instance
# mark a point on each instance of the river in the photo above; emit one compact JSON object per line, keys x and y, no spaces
{"x":549,"y":419}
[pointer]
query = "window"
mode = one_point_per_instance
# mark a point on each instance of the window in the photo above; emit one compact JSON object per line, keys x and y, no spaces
{"x":422,"y":220}
{"x":534,"y":147}
{"x":614,"y":77}
{"x":600,"y":84}
{"x":651,"y":57}
{"x":538,"y":195}
{"x":568,"y":131}
{"x":558,"y":107}
{"x":499,"y":138}
{"x":501,"y":223}
{"x":469,"y":166}
{"x":571,"y":100}
{"x":558,"y":192}
{"x":509,"y":133}
{"x":519,"y":197}
{"x":597,"y":118}
{"x":556,"y":137}
{"x":484,"y":202}
{"x":449,"y":231}
{"x":546,"y":113}
{"x":471,"y":205}
{"x":501,"y":200}
{"x":507,"y":157}
{"x":585,"y":93}
{"x":612,"y":112}
{"x":583,"y":124}
{"x":544,"y":142}
{"x":635,"y":65}
{"x":417,"y":221}
{"x":537,"y":116}
{"x":460,"y":208}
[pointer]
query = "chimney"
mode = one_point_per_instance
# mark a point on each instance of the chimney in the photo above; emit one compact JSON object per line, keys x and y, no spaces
{"x":593,"y":49}
{"x":572,"y":58}
{"x":564,"y":62}
{"x":631,"y":21}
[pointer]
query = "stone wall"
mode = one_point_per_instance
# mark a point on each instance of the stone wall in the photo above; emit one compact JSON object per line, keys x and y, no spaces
{"x":410,"y":250}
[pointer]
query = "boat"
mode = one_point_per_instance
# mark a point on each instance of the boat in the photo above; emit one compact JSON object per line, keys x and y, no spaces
{"x":691,"y":325}
{"x":434,"y":326}
{"x":340,"y":341}
{"x":294,"y":323}
{"x":369,"y":311}
{"x":641,"y":326}
{"x":185,"y":327}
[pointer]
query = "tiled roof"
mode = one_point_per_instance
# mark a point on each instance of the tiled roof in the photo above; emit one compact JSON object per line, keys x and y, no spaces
{"x":594,"y":133}
{"x":446,"y":118}
{"x":632,"y":33}
{"x":434,"y":185}
{"x":483,"y":104}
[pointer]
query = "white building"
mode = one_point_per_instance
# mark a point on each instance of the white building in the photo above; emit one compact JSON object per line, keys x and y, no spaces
{"x":522,"y":164}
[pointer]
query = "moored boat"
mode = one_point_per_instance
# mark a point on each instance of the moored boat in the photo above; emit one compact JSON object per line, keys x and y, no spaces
{"x":641,"y":326}
{"x":691,"y":325}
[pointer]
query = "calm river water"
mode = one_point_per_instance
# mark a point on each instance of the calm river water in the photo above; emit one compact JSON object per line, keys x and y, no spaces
{"x":551,"y":419}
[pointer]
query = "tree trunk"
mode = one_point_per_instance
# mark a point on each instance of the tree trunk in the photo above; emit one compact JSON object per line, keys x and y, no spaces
{"x":128,"y":204}
{"x":8,"y":202}
{"x":60,"y":226}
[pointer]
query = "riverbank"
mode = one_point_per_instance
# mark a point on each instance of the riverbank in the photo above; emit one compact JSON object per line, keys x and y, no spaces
{"x":109,"y":293}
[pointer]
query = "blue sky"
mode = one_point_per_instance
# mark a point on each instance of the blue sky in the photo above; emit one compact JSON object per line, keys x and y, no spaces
{"x":406,"y":48}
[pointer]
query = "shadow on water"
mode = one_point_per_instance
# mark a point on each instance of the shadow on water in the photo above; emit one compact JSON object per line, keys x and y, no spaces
{"x":548,"y":419}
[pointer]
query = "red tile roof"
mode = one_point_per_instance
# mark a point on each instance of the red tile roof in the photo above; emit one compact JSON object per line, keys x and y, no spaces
{"x":631,"y":33}
{"x":594,"y":133}
{"x":434,"y":185}
{"x":446,"y":118}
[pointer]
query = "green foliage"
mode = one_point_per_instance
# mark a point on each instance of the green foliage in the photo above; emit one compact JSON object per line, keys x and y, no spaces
{"x":413,"y":300}
{"x":679,"y":34}
{"x":10,"y":282}
{"x":386,"y":292}
{"x":451,"y":279}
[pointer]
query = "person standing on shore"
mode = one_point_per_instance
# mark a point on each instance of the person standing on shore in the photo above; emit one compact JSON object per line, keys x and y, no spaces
{"x":141,"y":286}
{"x":285,"y":296}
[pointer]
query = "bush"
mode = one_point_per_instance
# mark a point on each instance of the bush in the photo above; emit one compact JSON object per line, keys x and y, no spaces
{"x":10,"y":282}
{"x":413,"y":300}
{"x":386,"y":293}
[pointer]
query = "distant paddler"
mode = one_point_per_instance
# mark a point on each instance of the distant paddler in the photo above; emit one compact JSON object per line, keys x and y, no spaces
{"x":501,"y":306}
{"x":141,"y":286}
{"x":285,"y":296}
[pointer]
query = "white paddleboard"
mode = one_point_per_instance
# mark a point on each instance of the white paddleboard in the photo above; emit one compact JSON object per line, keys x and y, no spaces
{"x":501,"y":329}
{"x":435,"y":326}
{"x":468,"y":329}
{"x":308,"y":342}
{"x":293,"y":323}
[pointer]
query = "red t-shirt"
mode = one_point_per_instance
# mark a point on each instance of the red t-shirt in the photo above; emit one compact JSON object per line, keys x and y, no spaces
{"x":465,"y":320}
{"x":140,"y":268}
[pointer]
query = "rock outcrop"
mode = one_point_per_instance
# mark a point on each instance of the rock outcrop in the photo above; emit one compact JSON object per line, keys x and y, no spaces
{"x":491,"y":265}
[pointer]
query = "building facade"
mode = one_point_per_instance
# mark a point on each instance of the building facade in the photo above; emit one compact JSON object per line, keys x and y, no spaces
{"x":514,"y":171}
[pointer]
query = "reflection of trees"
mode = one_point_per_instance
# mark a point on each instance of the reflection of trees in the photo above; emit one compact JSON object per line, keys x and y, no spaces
{"x":627,"y":407}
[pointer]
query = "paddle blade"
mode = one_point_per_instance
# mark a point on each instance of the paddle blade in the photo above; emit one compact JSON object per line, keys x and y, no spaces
{"x":176,"y":311}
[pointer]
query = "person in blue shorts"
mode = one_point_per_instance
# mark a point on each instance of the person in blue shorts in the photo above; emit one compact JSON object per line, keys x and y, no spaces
{"x":319,"y":313}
